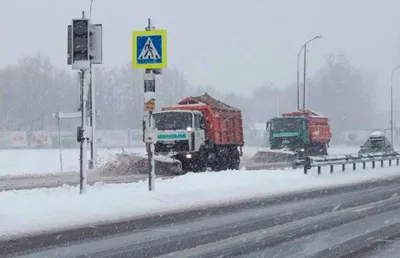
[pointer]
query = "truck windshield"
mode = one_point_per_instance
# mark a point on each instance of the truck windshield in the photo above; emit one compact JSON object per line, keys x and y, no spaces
{"x":286,"y":125}
{"x":172,"y":120}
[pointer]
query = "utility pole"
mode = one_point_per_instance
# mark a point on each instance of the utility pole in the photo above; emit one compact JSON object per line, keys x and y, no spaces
{"x":304,"y":46}
{"x":304,"y":77}
{"x":149,"y":53}
{"x":298,"y":79}
{"x":392,"y":124}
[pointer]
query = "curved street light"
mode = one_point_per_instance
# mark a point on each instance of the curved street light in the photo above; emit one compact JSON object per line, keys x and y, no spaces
{"x":391,"y":106}
{"x":304,"y":46}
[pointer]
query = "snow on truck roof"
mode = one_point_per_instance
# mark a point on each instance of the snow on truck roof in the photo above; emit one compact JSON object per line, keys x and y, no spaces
{"x":206,"y":99}
{"x":307,"y":113}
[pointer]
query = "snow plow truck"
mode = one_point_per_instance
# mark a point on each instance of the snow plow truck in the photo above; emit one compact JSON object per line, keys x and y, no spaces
{"x":201,"y":132}
{"x":302,"y":131}
{"x":293,"y":137}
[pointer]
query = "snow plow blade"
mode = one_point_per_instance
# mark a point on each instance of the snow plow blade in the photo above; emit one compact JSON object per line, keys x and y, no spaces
{"x":137,"y":163}
{"x":273,"y":159}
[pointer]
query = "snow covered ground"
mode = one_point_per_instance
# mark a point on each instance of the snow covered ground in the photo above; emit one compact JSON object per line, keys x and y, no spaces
{"x":36,"y":161}
{"x":27,"y":212}
{"x":22,"y":162}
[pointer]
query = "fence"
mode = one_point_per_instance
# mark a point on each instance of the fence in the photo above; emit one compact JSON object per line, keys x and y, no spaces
{"x":50,"y":139}
{"x":343,"y":160}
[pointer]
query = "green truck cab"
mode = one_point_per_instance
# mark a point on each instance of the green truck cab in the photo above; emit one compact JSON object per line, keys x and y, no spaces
{"x":288,"y":133}
{"x":301,"y":131}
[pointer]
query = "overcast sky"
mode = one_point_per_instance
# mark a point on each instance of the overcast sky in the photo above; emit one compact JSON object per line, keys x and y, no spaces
{"x":232,"y":45}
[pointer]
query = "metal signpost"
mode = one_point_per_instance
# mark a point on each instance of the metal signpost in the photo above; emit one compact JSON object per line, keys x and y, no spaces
{"x":85,"y":49}
{"x":149,"y":52}
{"x":59,"y":116}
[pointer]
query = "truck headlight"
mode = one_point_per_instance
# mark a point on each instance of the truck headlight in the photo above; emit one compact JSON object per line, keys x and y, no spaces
{"x":189,"y":129}
{"x":188,"y":156}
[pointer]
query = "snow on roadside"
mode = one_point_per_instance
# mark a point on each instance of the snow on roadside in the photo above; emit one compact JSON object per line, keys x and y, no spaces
{"x":33,"y":211}
{"x":47,"y":161}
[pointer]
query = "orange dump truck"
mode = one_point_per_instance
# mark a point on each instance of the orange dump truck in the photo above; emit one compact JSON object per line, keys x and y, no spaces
{"x":200,"y":132}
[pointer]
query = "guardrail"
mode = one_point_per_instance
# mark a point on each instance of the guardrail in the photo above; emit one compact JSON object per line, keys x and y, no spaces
{"x":351,"y":159}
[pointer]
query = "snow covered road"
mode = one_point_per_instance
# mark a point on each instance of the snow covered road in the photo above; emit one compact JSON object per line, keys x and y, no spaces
{"x":277,"y":224}
{"x":26,"y":212}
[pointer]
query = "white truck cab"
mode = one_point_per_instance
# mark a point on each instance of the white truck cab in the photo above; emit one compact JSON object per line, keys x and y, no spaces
{"x":178,"y":131}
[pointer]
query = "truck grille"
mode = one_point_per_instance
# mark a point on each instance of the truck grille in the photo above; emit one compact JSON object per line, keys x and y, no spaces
{"x":172,"y":146}
{"x":286,"y":141}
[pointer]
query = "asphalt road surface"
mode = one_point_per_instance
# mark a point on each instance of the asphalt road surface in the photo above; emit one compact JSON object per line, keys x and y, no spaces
{"x":324,"y":223}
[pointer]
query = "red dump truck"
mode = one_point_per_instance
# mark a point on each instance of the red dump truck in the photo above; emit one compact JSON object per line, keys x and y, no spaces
{"x":300,"y":130}
{"x":200,"y":132}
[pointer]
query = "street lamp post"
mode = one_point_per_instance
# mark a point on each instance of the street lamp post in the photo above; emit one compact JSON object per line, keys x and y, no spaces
{"x":391,"y":107}
{"x":304,"y":46}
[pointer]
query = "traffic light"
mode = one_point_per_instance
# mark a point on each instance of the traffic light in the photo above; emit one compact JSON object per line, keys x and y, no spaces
{"x":94,"y":45}
{"x":80,"y":40}
{"x":81,"y":43}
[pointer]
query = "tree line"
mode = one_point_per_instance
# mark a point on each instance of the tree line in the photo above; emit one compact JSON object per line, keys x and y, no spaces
{"x":33,"y":89}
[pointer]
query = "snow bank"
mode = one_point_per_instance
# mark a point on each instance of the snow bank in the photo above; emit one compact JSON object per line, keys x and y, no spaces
{"x":29,"y":162}
{"x":137,"y":163}
{"x":47,"y":161}
{"x":27,"y":212}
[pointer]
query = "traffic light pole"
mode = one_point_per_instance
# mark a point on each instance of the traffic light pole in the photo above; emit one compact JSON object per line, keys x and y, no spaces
{"x":92,"y":121}
{"x":83,"y":139}
{"x":84,"y":49}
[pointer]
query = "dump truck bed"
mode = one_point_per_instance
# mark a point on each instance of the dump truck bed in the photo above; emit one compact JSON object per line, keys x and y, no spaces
{"x":223,"y":123}
{"x":318,"y":125}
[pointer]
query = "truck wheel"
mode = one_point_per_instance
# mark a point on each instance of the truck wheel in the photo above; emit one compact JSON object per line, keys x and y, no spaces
{"x":224,"y":159}
{"x":203,"y":160}
{"x":235,"y":159}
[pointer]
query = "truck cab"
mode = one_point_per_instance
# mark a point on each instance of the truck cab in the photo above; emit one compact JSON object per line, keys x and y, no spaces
{"x":178,"y":131}
{"x":287,"y":132}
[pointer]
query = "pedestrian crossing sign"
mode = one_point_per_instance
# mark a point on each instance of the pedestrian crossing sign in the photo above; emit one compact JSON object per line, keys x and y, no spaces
{"x":149,"y":49}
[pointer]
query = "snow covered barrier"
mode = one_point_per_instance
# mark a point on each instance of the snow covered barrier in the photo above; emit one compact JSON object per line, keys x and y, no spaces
{"x":137,"y":163}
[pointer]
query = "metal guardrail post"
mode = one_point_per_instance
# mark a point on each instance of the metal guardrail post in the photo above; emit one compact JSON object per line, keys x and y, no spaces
{"x":307,"y":165}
